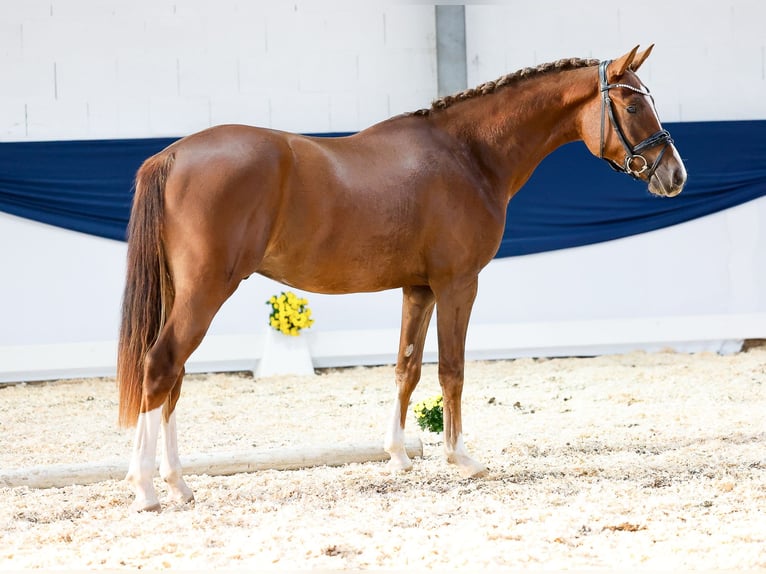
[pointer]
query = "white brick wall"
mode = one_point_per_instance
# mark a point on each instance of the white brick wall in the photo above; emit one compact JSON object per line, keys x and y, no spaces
{"x":77,"y":69}
{"x":139,"y":68}
{"x":709,"y":61}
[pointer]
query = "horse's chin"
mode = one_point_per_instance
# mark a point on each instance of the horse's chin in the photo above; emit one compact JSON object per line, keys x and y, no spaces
{"x":661,"y":191}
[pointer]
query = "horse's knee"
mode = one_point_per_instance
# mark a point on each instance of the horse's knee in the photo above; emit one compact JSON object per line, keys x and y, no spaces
{"x":407,"y":377}
{"x":451,"y":372}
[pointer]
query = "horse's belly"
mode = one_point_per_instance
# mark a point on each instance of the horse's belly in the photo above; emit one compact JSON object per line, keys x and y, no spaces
{"x":341,"y":272}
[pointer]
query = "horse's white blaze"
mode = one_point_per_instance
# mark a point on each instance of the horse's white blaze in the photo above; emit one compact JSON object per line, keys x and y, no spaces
{"x":170,"y":464}
{"x":394,"y":444}
{"x":142,"y":461}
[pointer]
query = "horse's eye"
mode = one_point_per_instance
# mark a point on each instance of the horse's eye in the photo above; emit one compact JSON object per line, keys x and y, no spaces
{"x":631,"y":109}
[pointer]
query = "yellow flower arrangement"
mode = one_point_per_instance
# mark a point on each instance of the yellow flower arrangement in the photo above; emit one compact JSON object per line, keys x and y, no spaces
{"x":429,"y":414}
{"x":289,"y":313}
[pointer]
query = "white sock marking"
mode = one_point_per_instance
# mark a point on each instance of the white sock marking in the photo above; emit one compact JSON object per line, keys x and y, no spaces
{"x":142,"y":462}
{"x":170,"y":465}
{"x":394,"y":444}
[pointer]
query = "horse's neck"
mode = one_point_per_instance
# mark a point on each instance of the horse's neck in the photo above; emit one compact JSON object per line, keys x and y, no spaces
{"x":513,"y":130}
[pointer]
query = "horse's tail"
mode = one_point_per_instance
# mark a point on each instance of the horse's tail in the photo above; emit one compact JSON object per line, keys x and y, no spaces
{"x":148,"y":293}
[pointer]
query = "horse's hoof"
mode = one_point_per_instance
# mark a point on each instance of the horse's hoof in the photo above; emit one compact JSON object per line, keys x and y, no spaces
{"x":143,"y":507}
{"x":188,"y":501}
{"x":479,"y":471}
{"x":400,"y":464}
{"x":468,"y":467}
{"x":182,"y":502}
{"x":182,"y":498}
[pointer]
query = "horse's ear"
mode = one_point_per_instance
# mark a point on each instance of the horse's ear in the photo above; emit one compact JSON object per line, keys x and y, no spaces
{"x":617,"y":67}
{"x":640,"y":58}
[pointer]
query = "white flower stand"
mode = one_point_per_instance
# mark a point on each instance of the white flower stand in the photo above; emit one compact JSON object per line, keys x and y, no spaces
{"x":284,"y":355}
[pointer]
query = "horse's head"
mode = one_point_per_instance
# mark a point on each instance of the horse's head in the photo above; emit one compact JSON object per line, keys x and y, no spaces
{"x":622,"y":127}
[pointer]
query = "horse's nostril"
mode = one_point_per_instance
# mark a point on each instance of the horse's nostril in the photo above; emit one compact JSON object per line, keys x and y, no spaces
{"x":679,"y":178}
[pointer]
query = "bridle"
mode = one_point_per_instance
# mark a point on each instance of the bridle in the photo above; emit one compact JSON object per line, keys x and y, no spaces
{"x":632,"y":154}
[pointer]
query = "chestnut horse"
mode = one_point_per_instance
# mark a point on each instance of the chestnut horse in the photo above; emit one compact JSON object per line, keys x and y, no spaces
{"x":416,"y":202}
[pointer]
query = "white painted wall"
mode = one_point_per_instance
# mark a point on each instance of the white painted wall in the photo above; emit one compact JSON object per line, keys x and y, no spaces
{"x":118,"y":68}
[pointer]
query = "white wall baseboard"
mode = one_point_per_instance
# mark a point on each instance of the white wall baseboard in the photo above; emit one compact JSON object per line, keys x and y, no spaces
{"x":711,"y":333}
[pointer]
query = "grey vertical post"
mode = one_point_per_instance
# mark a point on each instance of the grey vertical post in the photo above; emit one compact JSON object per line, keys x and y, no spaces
{"x":450,"y":49}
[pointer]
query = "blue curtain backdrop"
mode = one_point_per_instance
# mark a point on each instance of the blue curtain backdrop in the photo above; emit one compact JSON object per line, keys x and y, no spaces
{"x":572,"y":199}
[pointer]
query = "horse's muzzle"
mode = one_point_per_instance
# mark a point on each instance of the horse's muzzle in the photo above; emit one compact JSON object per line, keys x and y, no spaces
{"x":669,"y":178}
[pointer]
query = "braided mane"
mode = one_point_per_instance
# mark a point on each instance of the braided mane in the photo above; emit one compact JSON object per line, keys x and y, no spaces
{"x":508,"y":79}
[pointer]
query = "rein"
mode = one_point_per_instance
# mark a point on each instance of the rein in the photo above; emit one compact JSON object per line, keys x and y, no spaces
{"x":632,"y":154}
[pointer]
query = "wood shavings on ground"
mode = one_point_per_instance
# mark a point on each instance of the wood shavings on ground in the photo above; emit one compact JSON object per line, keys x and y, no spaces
{"x":634,"y":461}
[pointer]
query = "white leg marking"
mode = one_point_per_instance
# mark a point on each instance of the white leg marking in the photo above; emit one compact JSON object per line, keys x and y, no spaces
{"x":459,"y":455}
{"x":394,"y":444}
{"x":170,"y":464}
{"x":142,"y":462}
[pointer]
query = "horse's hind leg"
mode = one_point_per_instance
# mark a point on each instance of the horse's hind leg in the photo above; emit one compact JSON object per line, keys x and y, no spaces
{"x":193,"y":310}
{"x":141,"y":468}
{"x":417,"y":307}
{"x":170,"y":463}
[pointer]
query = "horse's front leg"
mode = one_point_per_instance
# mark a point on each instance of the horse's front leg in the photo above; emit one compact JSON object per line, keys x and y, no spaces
{"x":417,"y":308}
{"x":454,"y":310}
